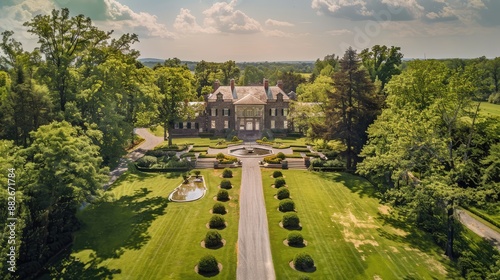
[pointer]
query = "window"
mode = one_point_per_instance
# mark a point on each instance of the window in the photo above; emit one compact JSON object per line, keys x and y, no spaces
{"x":273,"y":112}
{"x":212,"y":124}
{"x":213,"y":112}
{"x":219,"y":96}
{"x":226,"y":124}
{"x":185,"y":125}
{"x":273,"y":124}
{"x":176,"y":125}
{"x":285,"y":124}
{"x":226,"y":112}
{"x":285,"y":112}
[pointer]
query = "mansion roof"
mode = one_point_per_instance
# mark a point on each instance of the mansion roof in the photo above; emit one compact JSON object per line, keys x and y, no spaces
{"x":248,"y":95}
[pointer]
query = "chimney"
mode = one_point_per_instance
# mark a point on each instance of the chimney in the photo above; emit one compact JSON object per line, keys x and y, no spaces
{"x":232,"y":85}
{"x":280,"y":84}
{"x":266,"y":84}
{"x":216,"y":85}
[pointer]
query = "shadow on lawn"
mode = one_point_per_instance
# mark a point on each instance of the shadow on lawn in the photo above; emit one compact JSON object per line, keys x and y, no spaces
{"x":73,"y":268}
{"x":354,"y":183}
{"x":111,"y":227}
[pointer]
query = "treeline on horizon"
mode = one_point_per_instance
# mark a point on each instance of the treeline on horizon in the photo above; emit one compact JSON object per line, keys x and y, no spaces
{"x":68,"y":109}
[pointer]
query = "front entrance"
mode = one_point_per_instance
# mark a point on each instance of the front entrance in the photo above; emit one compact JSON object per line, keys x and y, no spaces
{"x":249,"y":125}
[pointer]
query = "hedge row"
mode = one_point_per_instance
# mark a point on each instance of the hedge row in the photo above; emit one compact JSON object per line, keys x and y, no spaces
{"x":484,"y":217}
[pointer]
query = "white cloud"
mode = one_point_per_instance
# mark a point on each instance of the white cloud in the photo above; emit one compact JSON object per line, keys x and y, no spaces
{"x":121,"y":17}
{"x":272,"y":22}
{"x":111,"y":15}
{"x":13,"y":16}
{"x":185,"y":22}
{"x":278,"y":33}
{"x":223,"y":17}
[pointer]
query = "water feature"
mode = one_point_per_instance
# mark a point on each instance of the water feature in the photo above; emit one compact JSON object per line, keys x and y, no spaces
{"x":193,"y":190}
{"x":250,"y":151}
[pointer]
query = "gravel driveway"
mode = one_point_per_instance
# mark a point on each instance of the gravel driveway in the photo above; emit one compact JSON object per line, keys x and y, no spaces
{"x":254,"y":248}
{"x":479,"y":228}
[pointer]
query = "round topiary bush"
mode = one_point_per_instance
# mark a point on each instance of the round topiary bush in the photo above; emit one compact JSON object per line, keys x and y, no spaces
{"x":277,"y":174}
{"x":220,"y":156}
{"x":286,"y":205}
{"x":213,"y":239}
{"x":235,"y":139}
{"x":217,"y":221}
{"x":208,"y":265}
{"x":280,"y":155}
{"x":225,"y":184}
{"x":219,"y":208}
{"x":279,"y":182}
{"x":222,"y":195}
{"x":197,"y":173}
{"x":303,"y":262}
{"x":291,"y":220}
{"x":295,"y":239}
{"x":227,"y":173}
{"x":283,"y":193}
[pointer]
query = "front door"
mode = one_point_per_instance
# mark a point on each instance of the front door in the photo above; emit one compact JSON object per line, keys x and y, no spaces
{"x":249,"y":125}
{"x":257,"y":125}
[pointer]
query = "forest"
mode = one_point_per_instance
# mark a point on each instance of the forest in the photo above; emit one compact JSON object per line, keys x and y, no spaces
{"x":68,"y":108}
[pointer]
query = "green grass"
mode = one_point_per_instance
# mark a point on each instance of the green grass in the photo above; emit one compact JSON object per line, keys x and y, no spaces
{"x":490,"y":109}
{"x":349,"y":234}
{"x":138,"y":234}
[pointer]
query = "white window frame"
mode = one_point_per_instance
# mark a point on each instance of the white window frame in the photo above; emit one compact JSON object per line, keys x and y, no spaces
{"x":226,"y":124}
{"x":273,"y":124}
{"x":212,"y":124}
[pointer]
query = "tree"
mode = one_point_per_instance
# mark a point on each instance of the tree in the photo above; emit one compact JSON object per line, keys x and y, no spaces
{"x":422,"y":144}
{"x":382,"y":63}
{"x":174,"y":93}
{"x":494,"y":69}
{"x":251,"y":75}
{"x":229,"y":71}
{"x":351,"y":107}
{"x":64,"y":169}
{"x":62,"y":40}
{"x":291,"y":81}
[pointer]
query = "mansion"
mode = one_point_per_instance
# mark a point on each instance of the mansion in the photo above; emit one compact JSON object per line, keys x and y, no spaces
{"x":249,"y":112}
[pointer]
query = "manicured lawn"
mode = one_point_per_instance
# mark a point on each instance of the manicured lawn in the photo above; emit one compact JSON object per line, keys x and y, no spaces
{"x":349,"y":234}
{"x":138,"y":234}
{"x":490,"y":109}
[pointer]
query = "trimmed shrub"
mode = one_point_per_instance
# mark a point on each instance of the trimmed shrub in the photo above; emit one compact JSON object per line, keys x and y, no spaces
{"x":303,"y":262}
{"x":280,"y":155}
{"x":197,"y":173}
{"x":219,"y":208}
{"x":235,"y":139}
{"x":279,"y":182}
{"x":264,"y":139}
{"x":290,"y":220}
{"x":295,"y":239}
{"x":220,"y":156}
{"x":213,"y":239}
{"x":147,"y":161}
{"x":287,"y":205}
{"x":283,"y":193}
{"x":227,"y":173}
{"x":217,"y":221}
{"x":277,"y":174}
{"x":207,"y":265}
{"x":225,"y":184}
{"x":222,"y":195}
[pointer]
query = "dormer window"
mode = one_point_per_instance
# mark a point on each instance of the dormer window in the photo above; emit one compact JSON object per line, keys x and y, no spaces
{"x":219,"y":96}
{"x":279,"y":97}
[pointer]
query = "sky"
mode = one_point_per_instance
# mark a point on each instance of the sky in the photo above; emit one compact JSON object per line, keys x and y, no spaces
{"x":281,"y":30}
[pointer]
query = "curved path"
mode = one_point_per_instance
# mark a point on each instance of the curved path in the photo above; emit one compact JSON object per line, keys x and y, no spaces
{"x":254,"y":248}
{"x":150,"y":141}
{"x":479,"y":228}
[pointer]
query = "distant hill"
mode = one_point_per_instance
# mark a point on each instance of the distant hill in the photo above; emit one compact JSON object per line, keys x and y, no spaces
{"x":297,"y":66}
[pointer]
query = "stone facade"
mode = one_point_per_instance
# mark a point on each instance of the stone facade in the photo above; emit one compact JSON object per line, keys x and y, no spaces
{"x":245,"y":111}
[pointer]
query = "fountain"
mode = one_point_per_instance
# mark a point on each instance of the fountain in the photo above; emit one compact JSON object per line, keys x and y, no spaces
{"x":193,"y":190}
{"x":250,"y":151}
